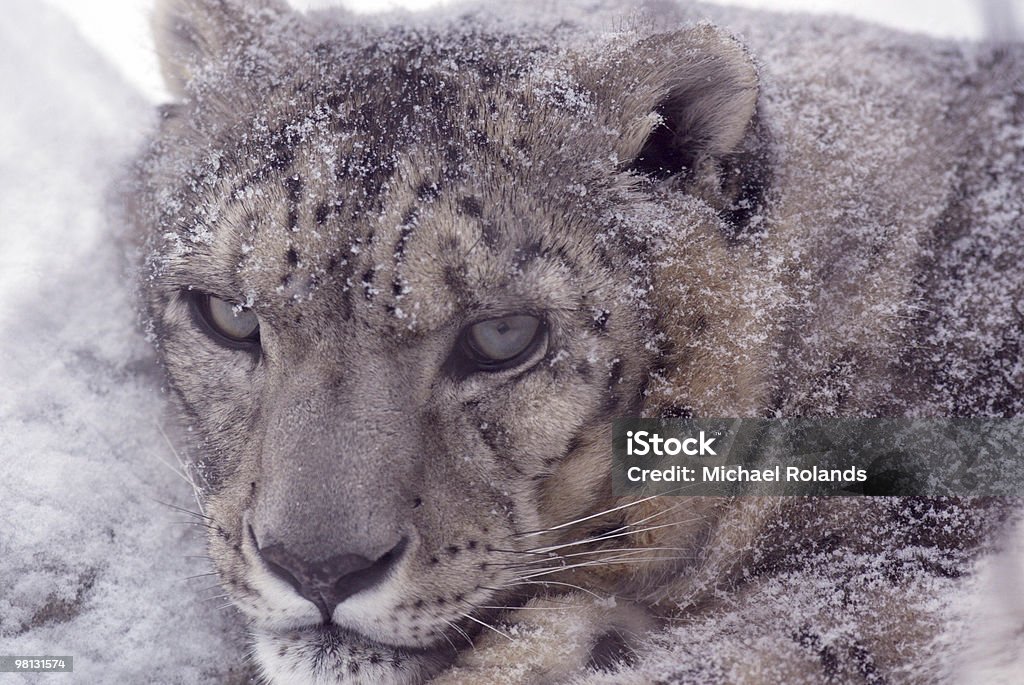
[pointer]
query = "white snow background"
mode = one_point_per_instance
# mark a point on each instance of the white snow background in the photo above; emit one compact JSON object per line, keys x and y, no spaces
{"x":91,"y":564}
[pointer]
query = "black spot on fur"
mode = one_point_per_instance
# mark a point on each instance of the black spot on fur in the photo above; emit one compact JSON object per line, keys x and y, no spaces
{"x":408,"y":224}
{"x":294,"y":187}
{"x":282,"y":153}
{"x":490,"y":234}
{"x":292,"y":257}
{"x":528,"y":253}
{"x":427,"y":191}
{"x":455,"y":279}
{"x":494,"y":436}
{"x":583,"y":370}
{"x":575,"y":443}
{"x":600,"y":321}
{"x":367,"y":282}
{"x":678,"y":412}
{"x":454,"y":155}
{"x":471,"y":207}
{"x":321,"y":213}
{"x":826,"y":654}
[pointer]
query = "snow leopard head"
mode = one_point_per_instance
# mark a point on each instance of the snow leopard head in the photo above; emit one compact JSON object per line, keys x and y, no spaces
{"x":400,"y":282}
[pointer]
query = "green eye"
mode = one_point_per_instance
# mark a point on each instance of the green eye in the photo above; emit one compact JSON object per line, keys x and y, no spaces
{"x":225,"y":322}
{"x":500,"y":343}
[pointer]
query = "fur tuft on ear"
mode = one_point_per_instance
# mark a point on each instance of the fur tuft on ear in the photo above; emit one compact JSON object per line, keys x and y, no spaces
{"x":686,"y":96}
{"x":190,"y":34}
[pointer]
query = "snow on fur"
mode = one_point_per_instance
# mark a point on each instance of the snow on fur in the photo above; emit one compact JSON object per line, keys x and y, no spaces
{"x":92,"y":566}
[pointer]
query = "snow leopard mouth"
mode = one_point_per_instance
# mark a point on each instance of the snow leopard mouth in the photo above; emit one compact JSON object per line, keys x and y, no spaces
{"x":332,"y":649}
{"x":329,"y":637}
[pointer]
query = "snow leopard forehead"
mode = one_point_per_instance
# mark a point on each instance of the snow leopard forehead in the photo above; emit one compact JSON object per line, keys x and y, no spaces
{"x":456,"y":168}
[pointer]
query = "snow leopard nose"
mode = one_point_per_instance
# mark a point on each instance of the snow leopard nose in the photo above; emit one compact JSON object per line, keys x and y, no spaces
{"x":329,"y":582}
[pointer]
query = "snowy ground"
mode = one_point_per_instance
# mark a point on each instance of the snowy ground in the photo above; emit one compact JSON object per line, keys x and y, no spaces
{"x":91,"y":563}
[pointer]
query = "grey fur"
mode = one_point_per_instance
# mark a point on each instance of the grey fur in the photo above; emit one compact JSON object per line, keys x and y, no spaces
{"x":369,"y":191}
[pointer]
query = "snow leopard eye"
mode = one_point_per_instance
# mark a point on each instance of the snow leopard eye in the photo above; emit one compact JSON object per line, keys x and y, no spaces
{"x":501,"y":343}
{"x":227,"y":323}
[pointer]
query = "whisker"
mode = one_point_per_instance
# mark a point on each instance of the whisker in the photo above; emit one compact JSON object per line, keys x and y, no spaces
{"x":210,"y":588}
{"x":489,"y":627}
{"x":446,"y":638}
{"x":185,"y":473}
{"x":199,"y":575}
{"x":626,"y":553}
{"x":195,"y":523}
{"x":586,"y":518}
{"x":210,"y":599}
{"x":512,"y":551}
{"x":565,"y":608}
{"x":611,"y":562}
{"x":182,"y":509}
{"x":555,"y":582}
{"x":463,"y":633}
{"x":620,"y":529}
{"x":552,"y":556}
{"x":616,"y":535}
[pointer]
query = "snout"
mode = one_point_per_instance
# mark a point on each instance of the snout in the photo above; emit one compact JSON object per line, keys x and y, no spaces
{"x":329,"y":581}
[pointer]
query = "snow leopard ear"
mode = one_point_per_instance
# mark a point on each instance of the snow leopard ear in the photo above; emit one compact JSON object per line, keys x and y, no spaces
{"x":686,"y":96}
{"x":190,"y":34}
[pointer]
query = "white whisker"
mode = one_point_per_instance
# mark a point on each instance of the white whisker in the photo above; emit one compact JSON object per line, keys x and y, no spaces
{"x":553,"y":557}
{"x":489,"y":627}
{"x":610,"y":562}
{"x":556,"y":582}
{"x":616,"y":535}
{"x":586,"y":518}
{"x":185,"y":472}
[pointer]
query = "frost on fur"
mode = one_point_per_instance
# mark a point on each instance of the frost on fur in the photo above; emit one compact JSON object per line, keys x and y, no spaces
{"x":832,"y":232}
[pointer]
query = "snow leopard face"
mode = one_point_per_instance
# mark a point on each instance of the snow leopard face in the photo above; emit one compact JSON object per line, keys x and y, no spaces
{"x":397,"y":280}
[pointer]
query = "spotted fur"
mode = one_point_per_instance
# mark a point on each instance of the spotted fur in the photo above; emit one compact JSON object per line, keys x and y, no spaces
{"x":369,"y":191}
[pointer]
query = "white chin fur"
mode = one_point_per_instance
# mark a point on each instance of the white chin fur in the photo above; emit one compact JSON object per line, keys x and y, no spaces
{"x":320,"y":658}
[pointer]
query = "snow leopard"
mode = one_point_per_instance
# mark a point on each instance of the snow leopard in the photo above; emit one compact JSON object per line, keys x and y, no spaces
{"x":402,"y":273}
